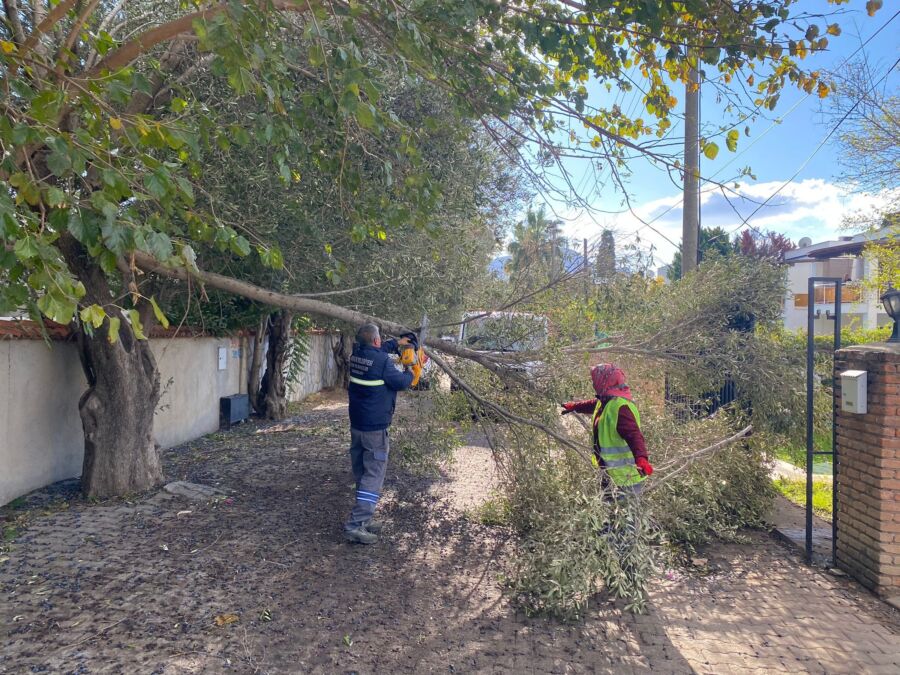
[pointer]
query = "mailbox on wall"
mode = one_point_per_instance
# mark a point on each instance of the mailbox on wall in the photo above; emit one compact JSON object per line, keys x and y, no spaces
{"x":854,"y":390}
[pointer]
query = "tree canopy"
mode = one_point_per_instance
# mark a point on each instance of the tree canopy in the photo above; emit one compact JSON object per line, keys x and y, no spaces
{"x":114,"y":113}
{"x":103,"y":143}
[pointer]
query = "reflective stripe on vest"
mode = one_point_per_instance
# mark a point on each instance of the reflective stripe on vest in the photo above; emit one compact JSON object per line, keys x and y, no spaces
{"x":366,"y":383}
{"x":617,"y":458}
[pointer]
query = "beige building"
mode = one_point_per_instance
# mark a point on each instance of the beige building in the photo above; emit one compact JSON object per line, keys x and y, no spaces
{"x":841,"y":258}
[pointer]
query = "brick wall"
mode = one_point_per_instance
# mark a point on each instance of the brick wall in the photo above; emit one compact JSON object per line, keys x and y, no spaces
{"x":868,"y":490}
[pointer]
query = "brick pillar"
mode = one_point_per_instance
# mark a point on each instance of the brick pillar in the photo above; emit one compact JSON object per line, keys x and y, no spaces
{"x":868,"y":489}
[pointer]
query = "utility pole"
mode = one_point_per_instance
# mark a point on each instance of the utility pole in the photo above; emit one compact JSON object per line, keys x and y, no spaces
{"x":553,"y":274}
{"x":690,"y":224}
{"x":587,"y":272}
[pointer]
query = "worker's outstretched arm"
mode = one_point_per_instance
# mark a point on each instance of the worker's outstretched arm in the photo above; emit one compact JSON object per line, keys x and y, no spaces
{"x":395,"y":377}
{"x":585,"y":407}
{"x":392,"y":346}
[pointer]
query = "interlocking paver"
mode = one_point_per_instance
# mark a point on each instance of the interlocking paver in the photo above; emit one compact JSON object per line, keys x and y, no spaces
{"x":135,"y":587}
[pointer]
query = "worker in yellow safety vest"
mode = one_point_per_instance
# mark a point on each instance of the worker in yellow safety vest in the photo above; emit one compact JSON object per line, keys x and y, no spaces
{"x":619,"y":446}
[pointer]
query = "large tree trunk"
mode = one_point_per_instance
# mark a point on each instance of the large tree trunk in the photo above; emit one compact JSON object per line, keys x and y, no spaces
{"x":273,"y":391}
{"x":342,"y":350}
{"x":254,"y":383}
{"x":117,"y":410}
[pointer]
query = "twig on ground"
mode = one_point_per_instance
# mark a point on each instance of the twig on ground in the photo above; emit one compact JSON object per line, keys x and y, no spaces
{"x":95,"y":635}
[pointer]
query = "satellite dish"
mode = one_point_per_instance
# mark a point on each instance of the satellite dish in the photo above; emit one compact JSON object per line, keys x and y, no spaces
{"x":806,"y":241}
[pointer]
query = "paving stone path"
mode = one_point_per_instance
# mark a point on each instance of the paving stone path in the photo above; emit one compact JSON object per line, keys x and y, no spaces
{"x":143,"y":586}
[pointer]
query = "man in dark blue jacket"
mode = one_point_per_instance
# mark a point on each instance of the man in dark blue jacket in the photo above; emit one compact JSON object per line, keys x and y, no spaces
{"x":374,"y":383}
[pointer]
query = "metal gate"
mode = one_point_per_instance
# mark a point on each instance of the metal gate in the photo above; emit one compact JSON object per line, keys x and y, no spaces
{"x":811,"y":452}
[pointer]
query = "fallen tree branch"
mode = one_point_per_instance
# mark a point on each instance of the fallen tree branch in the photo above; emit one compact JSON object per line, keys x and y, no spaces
{"x":312,"y":306}
{"x":684,"y":462}
{"x":503,"y":412}
{"x":308,"y":305}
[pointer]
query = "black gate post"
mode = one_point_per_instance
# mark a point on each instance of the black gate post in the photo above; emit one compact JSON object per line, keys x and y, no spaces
{"x":810,"y":444}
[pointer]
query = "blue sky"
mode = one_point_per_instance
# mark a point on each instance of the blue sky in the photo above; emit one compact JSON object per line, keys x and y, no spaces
{"x":814,"y":204}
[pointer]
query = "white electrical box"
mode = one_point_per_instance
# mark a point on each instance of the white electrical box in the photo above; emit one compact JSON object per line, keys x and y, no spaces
{"x":854,"y":390}
{"x":223,"y":358}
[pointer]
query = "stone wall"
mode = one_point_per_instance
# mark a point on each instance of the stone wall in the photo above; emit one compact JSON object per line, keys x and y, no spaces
{"x":868,"y":490}
{"x":320,"y":369}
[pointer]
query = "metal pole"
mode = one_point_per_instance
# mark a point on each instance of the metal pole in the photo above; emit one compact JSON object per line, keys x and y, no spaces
{"x":690,"y":222}
{"x":834,"y":450}
{"x":810,"y":350}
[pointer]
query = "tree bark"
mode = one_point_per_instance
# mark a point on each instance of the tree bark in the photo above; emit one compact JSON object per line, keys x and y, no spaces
{"x":274,"y":385}
{"x":342,"y":350}
{"x":253,"y":380}
{"x":117,"y":410}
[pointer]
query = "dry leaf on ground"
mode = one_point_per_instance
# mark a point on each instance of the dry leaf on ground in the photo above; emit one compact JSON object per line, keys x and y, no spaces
{"x":225,"y":619}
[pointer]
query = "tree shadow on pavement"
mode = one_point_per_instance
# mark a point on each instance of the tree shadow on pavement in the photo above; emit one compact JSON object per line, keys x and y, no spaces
{"x":260,"y":580}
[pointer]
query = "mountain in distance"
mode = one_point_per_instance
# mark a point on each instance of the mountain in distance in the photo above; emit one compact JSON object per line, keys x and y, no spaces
{"x":572,"y":261}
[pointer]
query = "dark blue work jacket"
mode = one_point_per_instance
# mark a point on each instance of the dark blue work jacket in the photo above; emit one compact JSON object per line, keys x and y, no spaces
{"x":374,"y":383}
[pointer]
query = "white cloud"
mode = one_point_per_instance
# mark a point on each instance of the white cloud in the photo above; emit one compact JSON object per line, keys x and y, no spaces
{"x":812,"y":207}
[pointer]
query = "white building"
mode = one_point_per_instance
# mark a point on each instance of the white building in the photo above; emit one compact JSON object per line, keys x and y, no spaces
{"x":842,"y":259}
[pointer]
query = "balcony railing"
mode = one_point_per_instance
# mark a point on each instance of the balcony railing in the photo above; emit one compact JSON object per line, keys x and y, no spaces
{"x":825,"y":296}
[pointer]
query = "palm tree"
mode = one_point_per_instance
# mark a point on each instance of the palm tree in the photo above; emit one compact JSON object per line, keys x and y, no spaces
{"x":537,"y":245}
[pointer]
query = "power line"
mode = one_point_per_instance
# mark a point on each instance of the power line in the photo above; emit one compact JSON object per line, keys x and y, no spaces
{"x":814,"y":152}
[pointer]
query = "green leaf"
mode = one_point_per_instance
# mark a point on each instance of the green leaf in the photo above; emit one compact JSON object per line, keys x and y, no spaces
{"x":55,"y":197}
{"x":240,"y":246}
{"x":93,"y":315}
{"x":104,"y":43}
{"x":60,"y":310}
{"x":82,"y":227}
{"x":135,"y":319}
{"x":159,"y":313}
{"x":117,"y":237}
{"x":160,"y":246}
{"x":731,"y":140}
{"x":277,"y":260}
{"x":239,"y":134}
{"x":59,"y":161}
{"x":365,"y":115}
{"x":189,"y":257}
{"x":241,"y":81}
{"x":27,"y":189}
{"x":711,"y":151}
{"x":157,"y":184}
{"x":186,"y":187}
{"x":271,"y":257}
{"x":45,"y":106}
{"x":22,"y":134}
{"x":25,"y":249}
{"x":113,"y":333}
{"x":108,"y":261}
{"x":316,"y":55}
